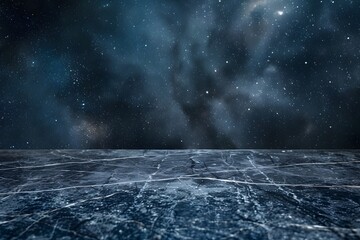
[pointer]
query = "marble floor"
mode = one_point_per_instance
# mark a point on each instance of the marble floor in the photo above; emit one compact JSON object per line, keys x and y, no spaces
{"x":180,"y":194}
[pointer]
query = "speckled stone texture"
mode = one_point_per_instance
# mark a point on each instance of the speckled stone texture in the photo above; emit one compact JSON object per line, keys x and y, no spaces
{"x":179,"y":194}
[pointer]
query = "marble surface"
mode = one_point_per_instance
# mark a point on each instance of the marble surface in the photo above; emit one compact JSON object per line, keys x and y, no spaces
{"x":182,"y":194}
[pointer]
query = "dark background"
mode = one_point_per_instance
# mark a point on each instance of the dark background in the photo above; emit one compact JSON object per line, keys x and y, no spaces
{"x":180,"y":74}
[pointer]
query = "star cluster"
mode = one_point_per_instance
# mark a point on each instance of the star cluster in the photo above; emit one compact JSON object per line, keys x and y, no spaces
{"x":180,"y":74}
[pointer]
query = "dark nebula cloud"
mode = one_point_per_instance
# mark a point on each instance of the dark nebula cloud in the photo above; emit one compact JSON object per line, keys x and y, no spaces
{"x":180,"y":74}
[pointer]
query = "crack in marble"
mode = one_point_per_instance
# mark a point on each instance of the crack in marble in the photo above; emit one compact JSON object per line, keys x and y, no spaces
{"x":186,"y":178}
{"x":249,"y":168}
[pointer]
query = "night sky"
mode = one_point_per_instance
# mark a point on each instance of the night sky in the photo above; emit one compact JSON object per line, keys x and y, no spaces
{"x":180,"y":74}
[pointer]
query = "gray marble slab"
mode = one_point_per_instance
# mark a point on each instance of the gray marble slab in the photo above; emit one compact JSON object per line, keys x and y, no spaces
{"x":180,"y":194}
